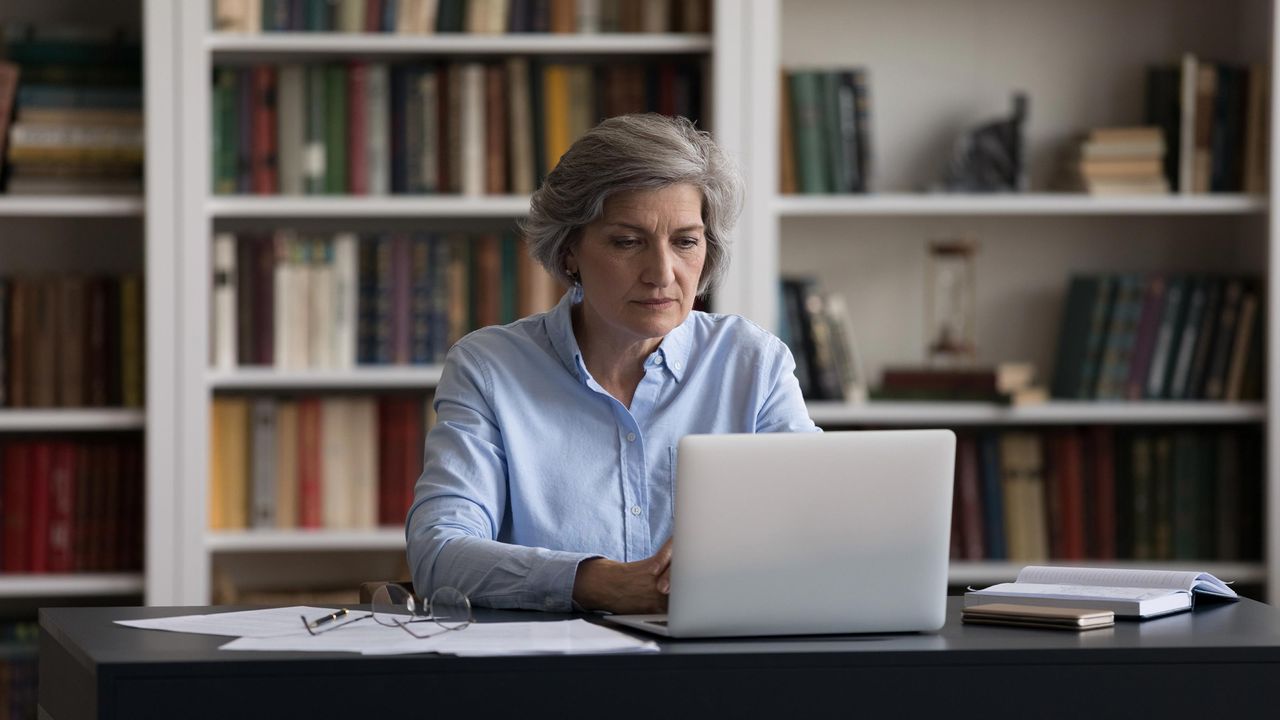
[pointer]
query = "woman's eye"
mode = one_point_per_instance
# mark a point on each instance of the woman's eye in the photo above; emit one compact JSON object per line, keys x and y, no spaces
{"x":625,"y":242}
{"x":687,"y":243}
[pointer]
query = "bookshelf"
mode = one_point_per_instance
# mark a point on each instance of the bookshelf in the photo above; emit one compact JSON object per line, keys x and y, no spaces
{"x":871,"y":247}
{"x":201,"y":560}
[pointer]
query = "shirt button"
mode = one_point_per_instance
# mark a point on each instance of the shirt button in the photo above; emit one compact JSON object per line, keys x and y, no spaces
{"x":635,"y":509}
{"x":657,"y":360}
{"x":676,"y":364}
{"x":631,"y":437}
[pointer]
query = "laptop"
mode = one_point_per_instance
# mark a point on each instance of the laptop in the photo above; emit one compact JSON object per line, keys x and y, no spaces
{"x":809,"y":533}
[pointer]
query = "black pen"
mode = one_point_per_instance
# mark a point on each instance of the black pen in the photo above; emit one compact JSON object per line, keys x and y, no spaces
{"x":329,"y":618}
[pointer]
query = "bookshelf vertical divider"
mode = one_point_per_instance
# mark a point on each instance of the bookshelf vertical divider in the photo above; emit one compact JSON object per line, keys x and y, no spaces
{"x":1271,"y":477}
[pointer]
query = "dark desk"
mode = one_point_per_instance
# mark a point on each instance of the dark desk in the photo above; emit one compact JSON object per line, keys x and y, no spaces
{"x":1221,"y":660}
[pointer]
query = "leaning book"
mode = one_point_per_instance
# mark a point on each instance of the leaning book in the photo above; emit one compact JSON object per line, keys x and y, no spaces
{"x":1128,"y":593}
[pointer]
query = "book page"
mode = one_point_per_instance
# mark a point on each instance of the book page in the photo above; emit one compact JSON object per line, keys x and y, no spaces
{"x":1115,"y":577}
{"x":1068,"y":591}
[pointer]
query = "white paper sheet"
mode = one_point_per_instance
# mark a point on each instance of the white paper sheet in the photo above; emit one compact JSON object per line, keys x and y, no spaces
{"x":246,"y":623}
{"x":517,"y":638}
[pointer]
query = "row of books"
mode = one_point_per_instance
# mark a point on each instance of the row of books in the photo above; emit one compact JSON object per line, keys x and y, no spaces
{"x":78,"y":121}
{"x":825,"y":133}
{"x":1104,"y":493}
{"x":338,"y":462}
{"x":458,"y":127}
{"x":71,"y":341}
{"x":71,"y":505}
{"x":298,"y":301}
{"x":816,"y":328}
{"x":421,"y":17}
{"x":19,"y":664}
{"x":1213,"y":117}
{"x":1176,"y":337}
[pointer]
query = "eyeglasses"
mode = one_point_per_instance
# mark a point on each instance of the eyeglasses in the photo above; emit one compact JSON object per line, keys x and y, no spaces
{"x":393,"y":606}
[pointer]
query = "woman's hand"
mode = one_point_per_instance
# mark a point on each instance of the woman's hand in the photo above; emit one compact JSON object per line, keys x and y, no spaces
{"x":634,"y":588}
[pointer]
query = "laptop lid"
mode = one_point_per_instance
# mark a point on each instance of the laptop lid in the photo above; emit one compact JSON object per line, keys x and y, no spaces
{"x":799,"y":533}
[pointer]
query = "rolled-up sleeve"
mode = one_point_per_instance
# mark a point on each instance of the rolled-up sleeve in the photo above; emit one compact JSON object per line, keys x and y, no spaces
{"x":783,"y":408}
{"x":460,"y":501}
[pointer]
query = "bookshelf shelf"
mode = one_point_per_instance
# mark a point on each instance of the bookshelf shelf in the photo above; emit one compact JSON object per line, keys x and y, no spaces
{"x":1053,"y":413}
{"x":345,"y":207}
{"x":250,"y":541}
{"x":226,"y":46}
{"x":72,"y":420}
{"x":1031,"y":204}
{"x":72,"y":584}
{"x":988,"y":573}
{"x":71,"y":206}
{"x":422,"y":376}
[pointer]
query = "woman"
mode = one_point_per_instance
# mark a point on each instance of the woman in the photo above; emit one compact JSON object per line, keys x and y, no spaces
{"x":550,"y":472}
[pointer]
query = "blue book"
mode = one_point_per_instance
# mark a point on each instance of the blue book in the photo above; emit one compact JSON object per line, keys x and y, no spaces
{"x":992,"y":495}
{"x":420,"y":299}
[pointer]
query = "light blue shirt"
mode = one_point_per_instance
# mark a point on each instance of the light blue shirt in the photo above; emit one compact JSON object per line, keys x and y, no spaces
{"x":532,"y":467}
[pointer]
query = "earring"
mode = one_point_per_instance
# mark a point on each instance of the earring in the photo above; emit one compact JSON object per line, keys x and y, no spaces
{"x":575,"y":277}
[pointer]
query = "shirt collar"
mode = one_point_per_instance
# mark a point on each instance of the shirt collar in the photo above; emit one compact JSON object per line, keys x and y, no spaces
{"x":674,"y":349}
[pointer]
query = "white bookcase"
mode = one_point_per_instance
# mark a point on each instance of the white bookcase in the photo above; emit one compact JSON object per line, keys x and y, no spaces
{"x":189,"y":53}
{"x":47,"y":235}
{"x":936,"y":67}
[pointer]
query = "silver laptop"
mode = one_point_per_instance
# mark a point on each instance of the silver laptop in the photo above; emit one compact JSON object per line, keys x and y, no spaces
{"x":808,"y":533}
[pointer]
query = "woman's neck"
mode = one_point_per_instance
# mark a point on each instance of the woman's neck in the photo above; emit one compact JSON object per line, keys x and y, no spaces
{"x":615,"y":362}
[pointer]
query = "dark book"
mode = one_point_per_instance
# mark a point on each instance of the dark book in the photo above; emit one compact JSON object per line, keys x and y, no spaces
{"x":1227,"y":503}
{"x":848,"y":116}
{"x":1147,"y":336}
{"x":1223,"y":340}
{"x":398,"y":90}
{"x":807,"y":123}
{"x":9,"y":76}
{"x":1098,"y":449}
{"x":794,"y":333}
{"x":1164,"y":110}
{"x":1186,"y":480}
{"x":496,"y":116}
{"x":487,"y":280}
{"x":1096,"y":337}
{"x":1141,"y":481}
{"x":315,"y":154}
{"x":335,"y":136}
{"x":358,"y":129}
{"x":969,"y":498}
{"x":837,"y":166}
{"x":993,"y":498}
{"x":1179,"y":371}
{"x":62,"y":476}
{"x":1122,"y":327}
{"x":383,"y":346}
{"x":862,"y":102}
{"x":17,"y":506}
{"x":244,"y":130}
{"x":264,"y":299}
{"x":263,"y":153}
{"x":1067,"y":472}
{"x":1241,"y":343}
{"x":1205,"y":337}
{"x":1163,"y":468}
{"x":1166,"y":341}
{"x":41,"y":468}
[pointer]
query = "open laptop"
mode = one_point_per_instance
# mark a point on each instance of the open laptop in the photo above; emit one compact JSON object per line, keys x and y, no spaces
{"x":808,"y":533}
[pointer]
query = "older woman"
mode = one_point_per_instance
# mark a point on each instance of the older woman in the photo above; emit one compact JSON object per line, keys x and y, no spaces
{"x":550,"y":473}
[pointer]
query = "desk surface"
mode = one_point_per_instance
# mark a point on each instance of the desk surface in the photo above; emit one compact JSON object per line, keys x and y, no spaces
{"x":1232,"y":648}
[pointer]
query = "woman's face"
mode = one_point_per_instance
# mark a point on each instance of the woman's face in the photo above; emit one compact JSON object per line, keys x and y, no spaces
{"x":640,"y":262}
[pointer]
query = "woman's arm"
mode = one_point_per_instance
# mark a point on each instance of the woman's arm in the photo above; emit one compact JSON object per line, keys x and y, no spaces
{"x":460,"y":503}
{"x":783,"y":409}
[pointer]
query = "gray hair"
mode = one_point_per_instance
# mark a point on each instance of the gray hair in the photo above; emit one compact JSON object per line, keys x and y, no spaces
{"x":633,"y":152}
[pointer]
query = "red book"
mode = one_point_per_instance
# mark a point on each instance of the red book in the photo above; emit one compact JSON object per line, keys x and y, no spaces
{"x":1101,"y":532}
{"x":357,"y":129}
{"x":969,"y":498}
{"x":1145,"y":337}
{"x":17,"y":499}
{"x":82,"y":515}
{"x":1068,"y":485}
{"x":264,"y":282}
{"x":264,"y":143}
{"x":496,"y":117}
{"x":373,"y":16}
{"x":412,"y":447}
{"x":40,"y":469}
{"x":310,"y":492}
{"x":62,"y":507}
{"x":487,"y":282}
{"x":111,"y":527}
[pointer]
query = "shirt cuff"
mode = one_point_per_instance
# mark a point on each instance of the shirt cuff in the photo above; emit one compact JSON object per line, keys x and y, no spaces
{"x":554,"y":579}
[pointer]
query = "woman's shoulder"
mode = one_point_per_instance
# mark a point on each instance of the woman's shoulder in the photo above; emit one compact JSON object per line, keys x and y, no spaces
{"x":528,"y":334}
{"x":735,"y":330}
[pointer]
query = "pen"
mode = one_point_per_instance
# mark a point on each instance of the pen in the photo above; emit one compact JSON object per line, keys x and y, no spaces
{"x":329,"y":618}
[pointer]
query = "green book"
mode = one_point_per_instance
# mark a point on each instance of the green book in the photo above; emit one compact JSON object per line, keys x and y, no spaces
{"x":1186,"y":471}
{"x":807,"y":124}
{"x":335,"y":136}
{"x":837,"y":172}
{"x":313,"y":162}
{"x":510,"y":290}
{"x":225,"y":124}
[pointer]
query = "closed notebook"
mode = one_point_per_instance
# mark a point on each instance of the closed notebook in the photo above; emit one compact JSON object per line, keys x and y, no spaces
{"x":1128,"y":593}
{"x":1059,"y":618}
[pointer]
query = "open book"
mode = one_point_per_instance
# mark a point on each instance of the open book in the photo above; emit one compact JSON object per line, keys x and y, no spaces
{"x":1128,"y":593}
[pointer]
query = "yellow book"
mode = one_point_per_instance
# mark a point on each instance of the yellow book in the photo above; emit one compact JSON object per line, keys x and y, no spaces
{"x":557,"y":135}
{"x":229,"y":464}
